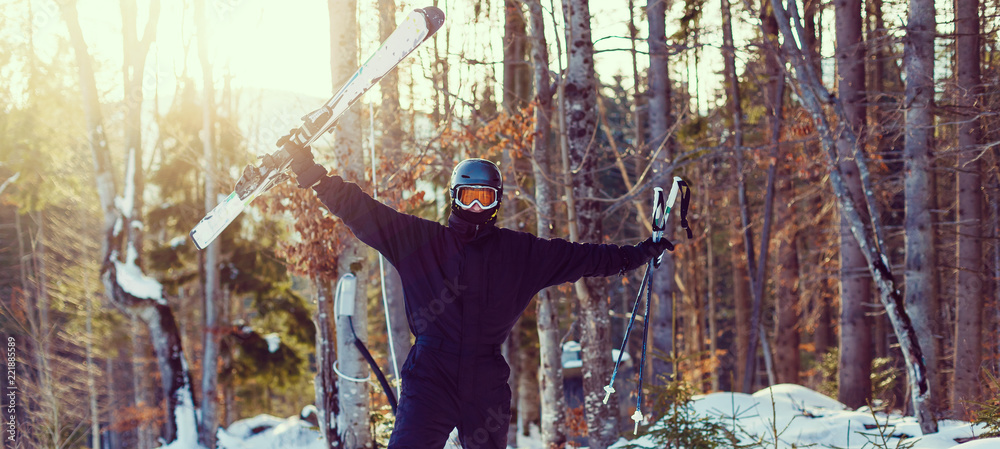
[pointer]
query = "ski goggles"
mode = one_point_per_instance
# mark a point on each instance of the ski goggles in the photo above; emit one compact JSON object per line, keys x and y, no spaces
{"x":466,"y":196}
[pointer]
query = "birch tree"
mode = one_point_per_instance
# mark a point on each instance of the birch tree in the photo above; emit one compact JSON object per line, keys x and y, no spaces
{"x":580,"y":103}
{"x":353,"y":421}
{"x":550,"y":371}
{"x":919,"y":189}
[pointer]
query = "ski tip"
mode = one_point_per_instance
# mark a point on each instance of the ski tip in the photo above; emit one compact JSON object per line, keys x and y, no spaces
{"x":194,"y":239}
{"x":434,"y":17}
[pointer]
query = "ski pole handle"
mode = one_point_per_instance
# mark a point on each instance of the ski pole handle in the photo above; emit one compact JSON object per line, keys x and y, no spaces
{"x":659,"y":217}
{"x":661,"y":208}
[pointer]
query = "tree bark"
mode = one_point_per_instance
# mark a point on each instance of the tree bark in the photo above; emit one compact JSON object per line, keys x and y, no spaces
{"x":579,"y":97}
{"x":745,"y":354}
{"x":550,"y":375}
{"x":786,"y":354}
{"x":516,"y":91}
{"x":95,"y":417}
{"x":516,"y":72}
{"x":353,"y":420}
{"x":391,"y":143}
{"x":211,"y":336}
{"x":969,"y":283}
{"x":325,"y":383}
{"x":920,"y":191}
{"x":661,"y":144}
{"x":855,"y":283}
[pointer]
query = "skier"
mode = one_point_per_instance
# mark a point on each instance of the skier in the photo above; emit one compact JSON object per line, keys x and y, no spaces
{"x":465,"y":285}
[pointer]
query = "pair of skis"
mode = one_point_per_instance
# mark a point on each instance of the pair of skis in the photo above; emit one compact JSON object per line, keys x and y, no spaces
{"x":661,"y":210}
{"x":418,"y":26}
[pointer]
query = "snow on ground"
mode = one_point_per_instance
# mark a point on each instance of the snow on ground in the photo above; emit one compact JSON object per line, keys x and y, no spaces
{"x":801,"y":416}
{"x":270,"y":432}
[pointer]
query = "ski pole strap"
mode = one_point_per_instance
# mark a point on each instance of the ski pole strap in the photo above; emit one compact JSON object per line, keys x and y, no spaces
{"x":685,"y":202}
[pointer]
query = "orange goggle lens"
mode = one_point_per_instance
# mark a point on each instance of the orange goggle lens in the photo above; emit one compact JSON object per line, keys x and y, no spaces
{"x":487,"y":197}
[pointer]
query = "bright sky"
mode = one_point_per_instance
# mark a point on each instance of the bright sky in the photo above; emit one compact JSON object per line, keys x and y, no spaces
{"x":284,"y":45}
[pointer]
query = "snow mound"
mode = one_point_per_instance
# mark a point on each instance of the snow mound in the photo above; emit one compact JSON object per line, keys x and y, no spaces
{"x":989,"y":443}
{"x":796,"y":416}
{"x":270,"y":432}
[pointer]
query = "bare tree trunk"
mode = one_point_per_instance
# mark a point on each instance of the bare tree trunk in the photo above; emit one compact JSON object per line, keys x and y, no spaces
{"x":637,"y":115}
{"x":855,"y":284}
{"x":710,"y":293}
{"x":814,"y":96}
{"x":139,"y":373}
{"x":788,"y":327}
{"x":581,"y":123}
{"x":786,"y":365}
{"x":661,"y":122}
{"x":135,"y":52}
{"x":353,"y":420}
{"x":516,"y":91}
{"x":550,"y":370}
{"x":211,"y":336}
{"x":745,"y":354}
{"x":969,"y":308}
{"x":774,"y":93}
{"x":516,"y":72}
{"x":392,"y":142}
{"x":919,"y":188}
{"x":95,"y":417}
{"x":325,"y":383}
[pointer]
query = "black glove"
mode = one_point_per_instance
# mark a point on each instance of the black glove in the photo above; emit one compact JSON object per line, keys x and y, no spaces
{"x":306,"y":170}
{"x":651,"y":249}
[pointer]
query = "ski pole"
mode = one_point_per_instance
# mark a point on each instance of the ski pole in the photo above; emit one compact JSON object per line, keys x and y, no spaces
{"x":660,"y":212}
{"x":637,"y":416}
{"x":609,"y":388}
{"x":659,"y":226}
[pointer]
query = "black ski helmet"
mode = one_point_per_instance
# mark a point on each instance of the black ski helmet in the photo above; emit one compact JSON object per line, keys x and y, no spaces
{"x":476,"y":172}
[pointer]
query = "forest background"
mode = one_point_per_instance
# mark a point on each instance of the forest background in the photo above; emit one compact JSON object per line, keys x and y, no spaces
{"x":843,"y":157}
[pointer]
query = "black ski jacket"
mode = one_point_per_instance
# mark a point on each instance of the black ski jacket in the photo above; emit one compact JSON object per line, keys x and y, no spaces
{"x":449,"y":270}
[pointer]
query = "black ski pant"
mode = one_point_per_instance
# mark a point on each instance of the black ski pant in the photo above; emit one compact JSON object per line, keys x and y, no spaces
{"x":431,"y":405}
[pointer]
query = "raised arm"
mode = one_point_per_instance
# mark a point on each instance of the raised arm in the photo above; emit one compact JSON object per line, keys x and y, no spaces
{"x":388,"y":231}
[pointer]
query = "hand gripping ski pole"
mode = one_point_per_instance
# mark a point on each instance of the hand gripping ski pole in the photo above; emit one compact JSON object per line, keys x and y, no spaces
{"x":661,"y":210}
{"x":420,"y":25}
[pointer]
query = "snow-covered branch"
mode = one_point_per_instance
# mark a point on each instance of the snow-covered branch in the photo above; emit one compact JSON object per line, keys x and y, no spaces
{"x":9,"y":181}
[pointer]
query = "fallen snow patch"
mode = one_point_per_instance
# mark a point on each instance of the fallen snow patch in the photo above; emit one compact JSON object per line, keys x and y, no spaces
{"x":270,"y":432}
{"x":796,"y":416}
{"x":273,"y":342}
